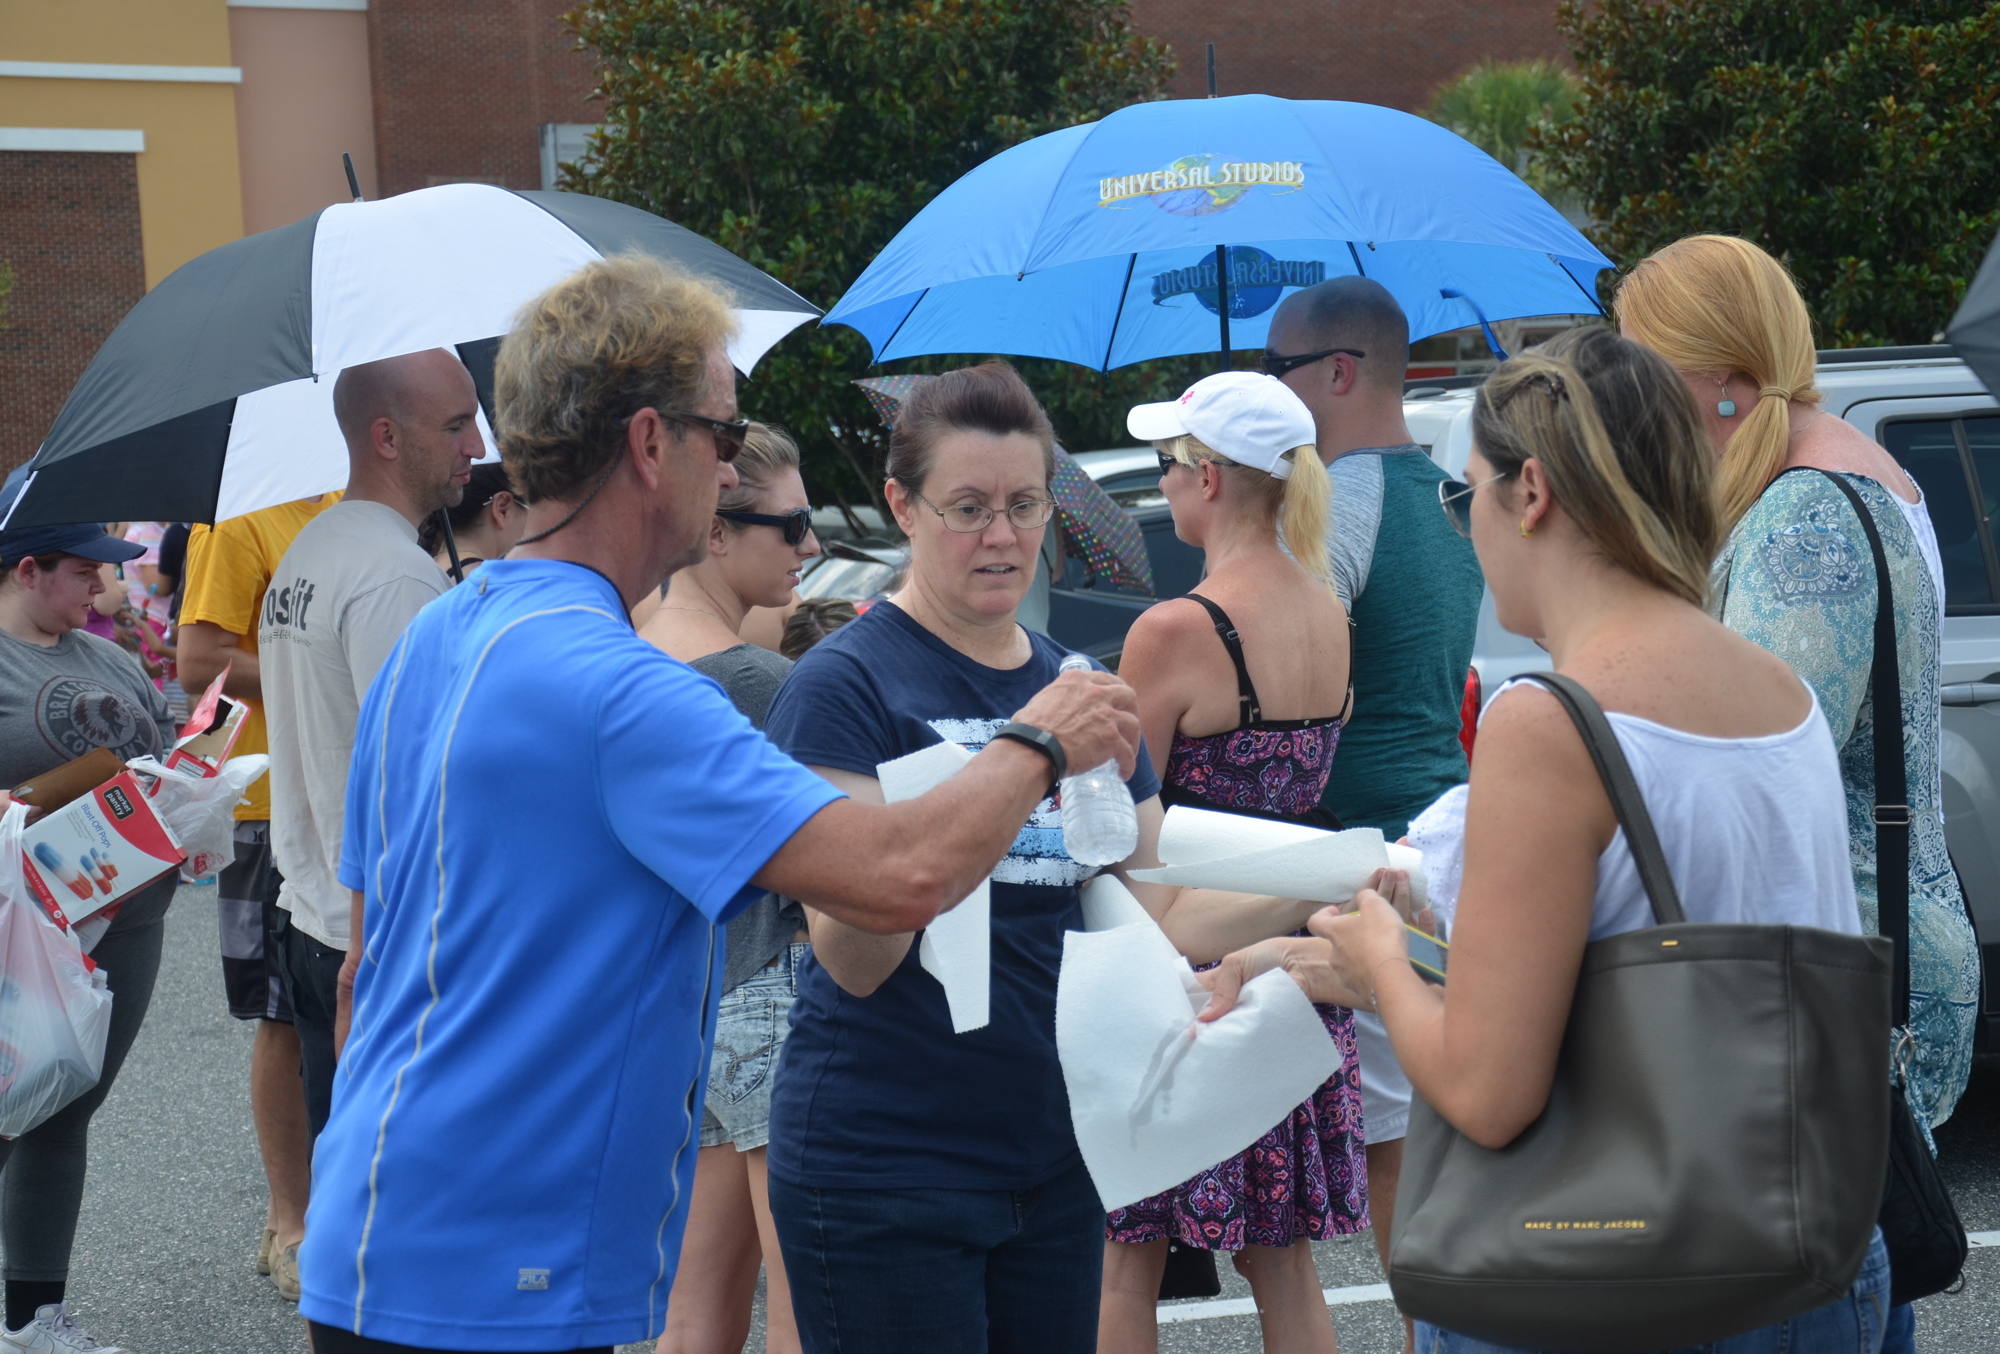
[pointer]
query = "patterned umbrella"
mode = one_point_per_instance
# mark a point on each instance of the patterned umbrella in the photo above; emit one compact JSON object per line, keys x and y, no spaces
{"x":1094,"y":528}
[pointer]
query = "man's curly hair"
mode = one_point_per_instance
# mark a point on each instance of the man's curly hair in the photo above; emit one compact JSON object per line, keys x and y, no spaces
{"x":624,"y":334}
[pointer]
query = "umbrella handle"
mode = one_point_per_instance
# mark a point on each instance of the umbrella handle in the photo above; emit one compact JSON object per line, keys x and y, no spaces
{"x":451,"y":545}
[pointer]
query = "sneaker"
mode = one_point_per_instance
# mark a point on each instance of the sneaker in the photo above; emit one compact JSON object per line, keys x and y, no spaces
{"x":285,"y":1271}
{"x":264,"y":1249}
{"x":53,"y":1332}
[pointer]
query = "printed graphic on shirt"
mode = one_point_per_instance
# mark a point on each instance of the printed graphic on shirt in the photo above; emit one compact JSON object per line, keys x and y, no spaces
{"x":1037,"y":855}
{"x":76,"y":715}
{"x":287,"y":605}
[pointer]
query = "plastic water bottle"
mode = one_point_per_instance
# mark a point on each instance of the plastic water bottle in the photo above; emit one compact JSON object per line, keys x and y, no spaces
{"x":1100,"y":826}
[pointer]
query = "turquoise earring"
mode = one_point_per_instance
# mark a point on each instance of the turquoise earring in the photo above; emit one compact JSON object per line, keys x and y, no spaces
{"x":1726,"y":408}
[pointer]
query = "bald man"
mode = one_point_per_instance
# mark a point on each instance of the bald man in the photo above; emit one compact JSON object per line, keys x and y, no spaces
{"x":340,"y":599}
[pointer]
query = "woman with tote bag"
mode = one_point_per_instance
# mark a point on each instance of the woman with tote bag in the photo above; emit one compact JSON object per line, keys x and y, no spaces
{"x":1589,"y":497}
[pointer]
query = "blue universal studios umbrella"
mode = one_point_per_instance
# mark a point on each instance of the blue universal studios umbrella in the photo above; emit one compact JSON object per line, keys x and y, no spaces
{"x":1097,"y":244}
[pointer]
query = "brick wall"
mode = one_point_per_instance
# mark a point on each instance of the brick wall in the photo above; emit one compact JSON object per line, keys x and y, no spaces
{"x":1393,"y":52}
{"x":69,"y":227}
{"x":461,"y":87}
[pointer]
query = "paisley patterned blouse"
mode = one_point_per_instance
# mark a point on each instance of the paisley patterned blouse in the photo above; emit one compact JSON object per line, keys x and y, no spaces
{"x":1798,"y":578}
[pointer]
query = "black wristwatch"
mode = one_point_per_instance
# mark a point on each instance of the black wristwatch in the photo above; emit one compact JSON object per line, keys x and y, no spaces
{"x":1042,"y":741}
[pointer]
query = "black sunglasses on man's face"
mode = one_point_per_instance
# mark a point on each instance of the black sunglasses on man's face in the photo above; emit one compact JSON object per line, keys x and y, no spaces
{"x":729,"y":434}
{"x":1275,"y":365}
{"x":796,"y":524}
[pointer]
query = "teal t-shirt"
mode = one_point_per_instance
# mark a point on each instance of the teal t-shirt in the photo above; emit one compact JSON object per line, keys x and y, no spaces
{"x":1412,"y":587}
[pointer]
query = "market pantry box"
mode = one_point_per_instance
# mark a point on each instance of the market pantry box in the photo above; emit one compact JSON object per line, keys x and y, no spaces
{"x":97,"y":849}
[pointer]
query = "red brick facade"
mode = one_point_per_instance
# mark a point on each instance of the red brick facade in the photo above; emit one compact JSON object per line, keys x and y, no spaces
{"x":463,"y":86}
{"x":69,"y":228}
{"x":1393,"y":52}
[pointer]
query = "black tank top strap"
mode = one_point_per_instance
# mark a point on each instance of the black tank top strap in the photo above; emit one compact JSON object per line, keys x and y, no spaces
{"x":1246,"y":693}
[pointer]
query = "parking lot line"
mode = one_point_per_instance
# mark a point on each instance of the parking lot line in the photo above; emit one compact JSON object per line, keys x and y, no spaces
{"x":1335,"y":1297}
{"x":1983,"y":1238}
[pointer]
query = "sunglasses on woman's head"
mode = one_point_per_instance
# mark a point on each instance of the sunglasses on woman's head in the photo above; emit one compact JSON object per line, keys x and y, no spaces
{"x":1455,"y":497}
{"x":796,"y":524}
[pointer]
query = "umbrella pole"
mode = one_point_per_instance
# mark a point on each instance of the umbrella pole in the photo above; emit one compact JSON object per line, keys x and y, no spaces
{"x":451,"y":546}
{"x":1222,"y":297}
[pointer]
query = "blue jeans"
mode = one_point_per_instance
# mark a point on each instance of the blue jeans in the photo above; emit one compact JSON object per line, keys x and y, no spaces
{"x":750,"y":1029}
{"x":944,"y":1271}
{"x":1850,"y":1325}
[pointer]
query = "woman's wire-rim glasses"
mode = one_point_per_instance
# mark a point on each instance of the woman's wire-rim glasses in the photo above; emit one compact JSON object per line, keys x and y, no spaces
{"x":796,"y":524}
{"x":1455,"y":497}
{"x":1023,"y":515}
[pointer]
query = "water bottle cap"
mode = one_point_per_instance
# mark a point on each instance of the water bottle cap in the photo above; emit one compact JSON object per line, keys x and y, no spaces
{"x":1075,"y":662}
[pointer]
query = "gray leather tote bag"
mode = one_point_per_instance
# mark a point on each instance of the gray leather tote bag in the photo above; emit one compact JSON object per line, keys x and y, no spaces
{"x":1709,"y":1158}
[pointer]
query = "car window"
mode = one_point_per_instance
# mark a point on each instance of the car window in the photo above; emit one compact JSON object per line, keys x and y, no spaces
{"x":1134,"y":489}
{"x":1956,"y":462}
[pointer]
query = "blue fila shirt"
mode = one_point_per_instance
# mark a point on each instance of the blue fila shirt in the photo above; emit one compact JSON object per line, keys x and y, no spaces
{"x":877,"y":1092}
{"x":551,"y":820}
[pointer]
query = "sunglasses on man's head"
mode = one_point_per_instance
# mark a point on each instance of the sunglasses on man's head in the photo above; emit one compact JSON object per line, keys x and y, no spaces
{"x":729,"y":434}
{"x":796,"y":524}
{"x":1274,"y":364}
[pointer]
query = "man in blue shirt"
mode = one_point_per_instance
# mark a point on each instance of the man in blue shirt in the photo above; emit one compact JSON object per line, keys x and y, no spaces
{"x":550,"y":822}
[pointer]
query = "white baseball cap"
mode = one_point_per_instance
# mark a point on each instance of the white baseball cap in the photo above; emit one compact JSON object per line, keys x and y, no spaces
{"x":1251,"y":418}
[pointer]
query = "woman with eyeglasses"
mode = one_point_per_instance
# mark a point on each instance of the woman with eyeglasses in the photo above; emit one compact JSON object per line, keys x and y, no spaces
{"x":484,"y":525}
{"x":760,"y":539}
{"x":1243,"y":686}
{"x":926,"y":1184}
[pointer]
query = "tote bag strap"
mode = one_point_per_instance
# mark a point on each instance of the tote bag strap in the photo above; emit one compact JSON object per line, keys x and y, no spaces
{"x":1623,"y":789}
{"x":1892,"y":794}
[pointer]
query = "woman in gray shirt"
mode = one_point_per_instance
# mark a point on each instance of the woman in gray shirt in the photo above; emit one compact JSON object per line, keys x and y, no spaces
{"x":759,"y":541}
{"x":63,"y":693}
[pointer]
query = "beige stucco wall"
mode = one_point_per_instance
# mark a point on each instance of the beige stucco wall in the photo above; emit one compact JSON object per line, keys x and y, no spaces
{"x":190,"y":199}
{"x":304,"y":99}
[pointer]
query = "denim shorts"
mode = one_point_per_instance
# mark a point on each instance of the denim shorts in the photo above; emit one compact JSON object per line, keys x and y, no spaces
{"x":1854,"y":1324}
{"x":750,"y":1028}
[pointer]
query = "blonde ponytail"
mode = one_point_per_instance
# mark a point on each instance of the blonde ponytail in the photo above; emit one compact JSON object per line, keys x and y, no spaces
{"x":1302,"y":519}
{"x":1713,"y":305}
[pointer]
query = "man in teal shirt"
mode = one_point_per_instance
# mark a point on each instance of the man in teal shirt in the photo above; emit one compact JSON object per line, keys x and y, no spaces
{"x":1411,"y":586}
{"x":1410,"y":583}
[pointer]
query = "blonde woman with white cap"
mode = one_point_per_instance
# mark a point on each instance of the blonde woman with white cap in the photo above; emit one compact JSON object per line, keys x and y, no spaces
{"x":1243,"y":686}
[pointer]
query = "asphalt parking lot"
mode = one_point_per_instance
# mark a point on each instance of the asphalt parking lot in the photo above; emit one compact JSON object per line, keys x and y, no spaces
{"x":164,"y":1255}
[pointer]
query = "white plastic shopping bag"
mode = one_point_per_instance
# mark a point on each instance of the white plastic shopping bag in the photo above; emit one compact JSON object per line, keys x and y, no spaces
{"x":201,"y":809}
{"x":54,"y":1007}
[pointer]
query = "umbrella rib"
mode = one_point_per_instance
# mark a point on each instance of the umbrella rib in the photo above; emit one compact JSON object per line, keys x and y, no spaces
{"x":899,"y":326}
{"x":1356,"y":255}
{"x":1595,"y":304}
{"x":1109,"y":343}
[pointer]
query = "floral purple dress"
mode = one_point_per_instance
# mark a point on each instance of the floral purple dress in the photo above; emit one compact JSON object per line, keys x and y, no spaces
{"x":1307,"y":1177}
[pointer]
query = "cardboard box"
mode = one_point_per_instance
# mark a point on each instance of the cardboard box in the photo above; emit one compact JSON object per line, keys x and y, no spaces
{"x":209,"y":736}
{"x":96,"y":850}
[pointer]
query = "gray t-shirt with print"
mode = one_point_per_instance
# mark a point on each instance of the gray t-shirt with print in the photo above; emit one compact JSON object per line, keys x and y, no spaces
{"x":342,"y":596}
{"x":74,"y":696}
{"x":750,"y":677}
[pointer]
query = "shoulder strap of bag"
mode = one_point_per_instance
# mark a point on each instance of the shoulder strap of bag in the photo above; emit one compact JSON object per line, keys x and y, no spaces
{"x":1623,"y":789}
{"x":1892,"y":798}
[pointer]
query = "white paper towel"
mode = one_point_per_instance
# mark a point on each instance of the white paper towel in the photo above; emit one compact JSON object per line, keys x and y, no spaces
{"x":1108,"y":904}
{"x":1205,"y":849}
{"x":1156,"y":1097}
{"x":957,"y":947}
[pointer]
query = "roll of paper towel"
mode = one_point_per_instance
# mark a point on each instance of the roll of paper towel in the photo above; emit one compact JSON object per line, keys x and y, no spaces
{"x":1156,"y":1096}
{"x":1205,"y":849}
{"x":957,"y":947}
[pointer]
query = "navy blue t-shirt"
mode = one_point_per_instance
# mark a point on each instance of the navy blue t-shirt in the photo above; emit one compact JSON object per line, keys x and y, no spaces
{"x":876,"y":1091}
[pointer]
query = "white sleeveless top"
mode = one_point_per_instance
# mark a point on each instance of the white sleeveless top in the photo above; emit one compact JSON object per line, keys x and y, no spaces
{"x":1753,"y":829}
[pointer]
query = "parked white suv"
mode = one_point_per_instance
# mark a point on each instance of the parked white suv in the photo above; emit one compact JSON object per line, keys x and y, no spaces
{"x":1942,"y":425}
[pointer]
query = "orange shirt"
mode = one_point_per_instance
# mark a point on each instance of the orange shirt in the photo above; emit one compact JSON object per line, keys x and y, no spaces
{"x":228,"y":568}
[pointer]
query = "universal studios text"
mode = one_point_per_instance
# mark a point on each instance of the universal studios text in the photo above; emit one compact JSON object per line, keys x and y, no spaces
{"x":1184,"y":176}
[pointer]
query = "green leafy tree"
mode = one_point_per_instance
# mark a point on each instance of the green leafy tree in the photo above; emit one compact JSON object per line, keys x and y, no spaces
{"x":1854,"y":139}
{"x":802,"y":134}
{"x":1496,"y":104}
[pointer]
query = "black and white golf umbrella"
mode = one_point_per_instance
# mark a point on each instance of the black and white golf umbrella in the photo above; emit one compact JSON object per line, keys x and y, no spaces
{"x":214,"y":396}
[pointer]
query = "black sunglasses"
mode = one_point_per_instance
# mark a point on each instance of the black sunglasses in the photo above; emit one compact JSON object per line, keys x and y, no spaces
{"x":1274,"y":365}
{"x":796,"y":524}
{"x":1168,"y":462}
{"x":1455,"y":497}
{"x":729,"y":434}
